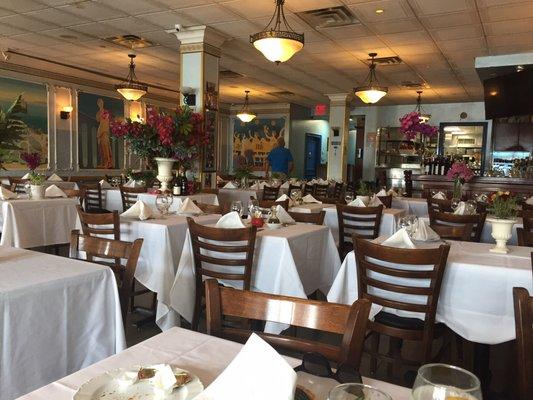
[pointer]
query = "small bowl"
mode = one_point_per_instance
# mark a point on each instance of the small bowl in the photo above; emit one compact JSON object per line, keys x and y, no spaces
{"x":273,"y":226}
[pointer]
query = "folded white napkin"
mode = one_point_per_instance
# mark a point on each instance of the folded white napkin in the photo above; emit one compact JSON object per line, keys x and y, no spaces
{"x":27,"y":176}
{"x":230,"y":185}
{"x":139,"y":210}
{"x":105,"y":184}
{"x":54,"y":191}
{"x":55,"y":178}
{"x":132,"y":184}
{"x":374,"y":201}
{"x":439,"y":196}
{"x":188,"y":207}
{"x":285,"y":185}
{"x":164,"y":378}
{"x":284,"y":197}
{"x":312,"y":182}
{"x":258,"y":372}
{"x":392,"y":192}
{"x":284,"y":216}
{"x":461,"y":209}
{"x":400,"y":239}
{"x":259,"y":185}
{"x":530,"y":200}
{"x":424,"y":233}
{"x":323,"y":182}
{"x":231,"y":220}
{"x":356,"y":203}
{"x":310,"y":199}
{"x":6,"y":194}
{"x":382,"y":192}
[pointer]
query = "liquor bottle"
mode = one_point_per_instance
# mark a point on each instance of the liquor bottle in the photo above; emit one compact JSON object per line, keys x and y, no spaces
{"x":177,"y":185}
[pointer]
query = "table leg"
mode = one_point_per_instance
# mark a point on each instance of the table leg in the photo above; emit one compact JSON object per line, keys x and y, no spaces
{"x":481,"y":365}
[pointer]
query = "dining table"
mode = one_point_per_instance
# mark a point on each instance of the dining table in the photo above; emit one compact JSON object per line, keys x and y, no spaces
{"x":58,"y":315}
{"x":412,"y":205}
{"x":202,"y":355}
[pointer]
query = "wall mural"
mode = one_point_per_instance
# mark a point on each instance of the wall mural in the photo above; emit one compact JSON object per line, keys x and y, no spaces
{"x":253,"y":141}
{"x":96,"y":148}
{"x":23,"y":122}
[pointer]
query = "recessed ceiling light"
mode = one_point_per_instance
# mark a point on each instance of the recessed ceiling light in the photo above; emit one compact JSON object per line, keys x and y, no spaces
{"x":380,"y":11}
{"x":519,"y":68}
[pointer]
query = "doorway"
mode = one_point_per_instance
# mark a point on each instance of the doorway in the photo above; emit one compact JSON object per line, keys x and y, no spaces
{"x":313,"y":151}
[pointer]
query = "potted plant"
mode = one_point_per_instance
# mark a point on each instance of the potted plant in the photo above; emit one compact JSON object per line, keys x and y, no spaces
{"x":503,"y":210}
{"x":364,"y":192}
{"x":165,"y":138}
{"x":459,"y":173}
{"x":33,"y":160}
{"x":243,"y":173}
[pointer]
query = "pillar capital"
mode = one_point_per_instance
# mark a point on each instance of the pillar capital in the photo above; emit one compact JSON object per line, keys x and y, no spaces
{"x":339,"y":99}
{"x":199,"y":38}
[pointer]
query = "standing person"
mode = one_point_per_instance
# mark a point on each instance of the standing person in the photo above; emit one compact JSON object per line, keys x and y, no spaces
{"x":279,"y":159}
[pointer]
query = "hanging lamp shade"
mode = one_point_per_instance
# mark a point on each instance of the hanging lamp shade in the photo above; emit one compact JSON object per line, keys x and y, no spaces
{"x":278,"y":41}
{"x":424,"y":117}
{"x":245,"y":115}
{"x":131,"y":88}
{"x":372,"y":92}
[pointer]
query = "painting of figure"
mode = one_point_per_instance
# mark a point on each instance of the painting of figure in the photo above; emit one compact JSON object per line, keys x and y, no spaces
{"x":23,"y":122}
{"x":96,"y":148}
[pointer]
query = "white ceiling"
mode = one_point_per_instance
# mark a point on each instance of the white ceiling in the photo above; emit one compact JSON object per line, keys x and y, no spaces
{"x":437,"y":40}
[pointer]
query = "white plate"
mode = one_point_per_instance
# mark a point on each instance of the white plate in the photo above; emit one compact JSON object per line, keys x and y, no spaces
{"x":274,"y":226}
{"x":188,"y":214}
{"x":108,"y":387}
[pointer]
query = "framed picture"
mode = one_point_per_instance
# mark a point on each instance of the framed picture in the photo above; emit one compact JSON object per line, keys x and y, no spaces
{"x":96,"y":148}
{"x":25,"y":105}
{"x":209,"y":160}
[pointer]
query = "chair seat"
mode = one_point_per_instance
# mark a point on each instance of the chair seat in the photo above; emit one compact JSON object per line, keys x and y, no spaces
{"x":97,"y":211}
{"x":395,"y":321}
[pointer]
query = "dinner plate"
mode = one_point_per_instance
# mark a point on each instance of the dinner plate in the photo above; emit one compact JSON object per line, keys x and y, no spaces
{"x":188,"y":214}
{"x":109,"y":386}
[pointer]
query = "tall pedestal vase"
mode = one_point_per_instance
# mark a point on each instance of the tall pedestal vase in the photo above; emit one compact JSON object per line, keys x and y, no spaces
{"x":502,"y":230}
{"x":164,"y":171}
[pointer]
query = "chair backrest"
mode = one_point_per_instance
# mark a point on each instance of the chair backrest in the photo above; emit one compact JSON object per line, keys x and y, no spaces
{"x":270,"y":193}
{"x":222,"y":247}
{"x":101,"y":248}
{"x":337,"y":190}
{"x":440,"y":205}
{"x":523,"y":316}
{"x":129,"y":196}
{"x":347,"y":321}
{"x":527,"y":220}
{"x":270,"y":203}
{"x":293,"y":187}
{"x":209,"y":208}
{"x":16,"y":185}
{"x":454,"y":232}
{"x":321,"y":190}
{"x":527,"y":207}
{"x":386,"y":200}
{"x":525,"y":238}
{"x":309,"y":218}
{"x":329,"y":200}
{"x":444,"y":218}
{"x":209,"y":190}
{"x":415,"y":273}
{"x":93,"y":224}
{"x":75,"y":193}
{"x":308,"y":189}
{"x":92,"y":196}
{"x":363,"y":221}
{"x":85,"y":179}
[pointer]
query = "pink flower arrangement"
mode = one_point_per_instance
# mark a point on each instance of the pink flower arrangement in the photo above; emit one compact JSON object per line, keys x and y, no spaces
{"x":32,"y":160}
{"x":460,"y":171}
{"x":411,"y":126}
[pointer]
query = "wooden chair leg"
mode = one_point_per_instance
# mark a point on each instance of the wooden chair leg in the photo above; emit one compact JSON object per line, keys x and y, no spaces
{"x":374,"y":348}
{"x":197,"y":310}
{"x":132,"y":299}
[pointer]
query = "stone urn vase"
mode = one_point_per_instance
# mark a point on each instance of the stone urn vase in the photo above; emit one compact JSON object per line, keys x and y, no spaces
{"x":37,"y":192}
{"x":164,"y":171}
{"x":502,"y":230}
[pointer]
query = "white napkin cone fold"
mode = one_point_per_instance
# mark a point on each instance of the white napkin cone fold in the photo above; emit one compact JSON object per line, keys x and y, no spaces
{"x":6,"y":194}
{"x":105,"y":184}
{"x":424,"y":233}
{"x":310,"y":199}
{"x":188,"y":207}
{"x":374,"y":201}
{"x":139,"y":210}
{"x":26,"y":176}
{"x":392,"y":192}
{"x":231,"y":220}
{"x":284,"y":197}
{"x":461,"y":209}
{"x":284,"y":216}
{"x":439,"y":196}
{"x":356,"y":203}
{"x":54,"y":191}
{"x":285,"y":185}
{"x":382,"y":192}
{"x":258,"y":372}
{"x":54,"y":178}
{"x":132,"y":184}
{"x":530,"y":201}
{"x":230,"y":185}
{"x":164,"y":378}
{"x":400,"y":239}
{"x":259,"y":185}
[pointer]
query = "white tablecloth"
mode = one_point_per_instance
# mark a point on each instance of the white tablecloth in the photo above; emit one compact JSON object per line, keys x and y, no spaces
{"x":292,"y":261}
{"x":204,"y":356}
{"x":389,"y":219}
{"x":113,"y":201}
{"x":476,"y":299}
{"x":412,"y":205}
{"x":32,"y":223}
{"x":58,"y":316}
{"x":229,"y":195}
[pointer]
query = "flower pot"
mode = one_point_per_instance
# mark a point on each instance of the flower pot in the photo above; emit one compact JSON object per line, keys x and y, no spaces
{"x":501,"y":232}
{"x":37,"y":192}
{"x":164,"y":171}
{"x":364,"y":199}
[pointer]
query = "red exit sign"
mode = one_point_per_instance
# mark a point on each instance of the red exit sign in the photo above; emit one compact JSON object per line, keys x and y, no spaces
{"x":321,"y":109}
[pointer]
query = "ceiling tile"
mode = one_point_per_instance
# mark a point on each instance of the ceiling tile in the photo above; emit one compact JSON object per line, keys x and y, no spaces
{"x":251,"y":9}
{"x":450,"y":20}
{"x":393,"y":9}
{"x":428,"y":7}
{"x":398,"y":26}
{"x":306,"y":5}
{"x":517,"y":39}
{"x":462,"y":44}
{"x":177,"y":4}
{"x":132,"y":25}
{"x":458,"y":32}
{"x":93,"y":11}
{"x":25,"y":22}
{"x":507,"y":12}
{"x":504,"y":27}
{"x":21,"y":6}
{"x":99,"y":30}
{"x":346,"y":32}
{"x":210,"y":14}
{"x":166,"y":19}
{"x":58,"y":17}
{"x":134,"y":7}
{"x":399,"y":39}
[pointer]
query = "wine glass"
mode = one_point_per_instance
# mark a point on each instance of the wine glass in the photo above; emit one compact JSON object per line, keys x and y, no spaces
{"x":295,"y":193}
{"x":455,"y":203}
{"x":348,"y":197}
{"x":357,"y":391}
{"x":163,"y":202}
{"x":471,"y":207}
{"x":236,"y":205}
{"x":441,"y":381}
{"x":412,"y":225}
{"x":27,"y":189}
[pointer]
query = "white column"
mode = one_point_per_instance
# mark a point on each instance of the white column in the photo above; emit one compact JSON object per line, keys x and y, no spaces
{"x":339,"y":117}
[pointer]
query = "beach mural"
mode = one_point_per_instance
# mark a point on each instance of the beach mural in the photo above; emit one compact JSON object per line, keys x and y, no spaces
{"x":96,"y":148}
{"x":252,"y":141}
{"x":23,"y":122}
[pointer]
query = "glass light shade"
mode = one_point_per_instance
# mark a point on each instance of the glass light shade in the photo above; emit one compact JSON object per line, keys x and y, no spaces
{"x":424,"y":118}
{"x":131,"y":93}
{"x":246,"y":116}
{"x":370,"y":95}
{"x":67,"y":109}
{"x":278,"y":49}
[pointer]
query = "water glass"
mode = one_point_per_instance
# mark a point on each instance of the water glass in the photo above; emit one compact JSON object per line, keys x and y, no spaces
{"x":445,"y":382}
{"x":27,"y":189}
{"x":163,"y":202}
{"x":348,"y":197}
{"x":455,"y":203}
{"x":471,"y":207}
{"x":357,"y":391}
{"x":236,"y":205}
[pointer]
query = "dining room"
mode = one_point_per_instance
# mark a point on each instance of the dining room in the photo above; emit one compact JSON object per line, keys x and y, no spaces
{"x":278,"y":199}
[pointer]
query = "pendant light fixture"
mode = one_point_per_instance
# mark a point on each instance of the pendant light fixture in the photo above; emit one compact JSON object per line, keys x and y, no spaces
{"x":372,"y":92}
{"x":131,"y":88}
{"x":245,"y":115}
{"x":424,"y":117}
{"x":278,"y":41}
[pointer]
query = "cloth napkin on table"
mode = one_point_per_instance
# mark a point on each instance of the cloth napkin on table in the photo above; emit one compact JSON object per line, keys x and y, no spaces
{"x":530,"y":200}
{"x":374,"y":201}
{"x":54,"y":191}
{"x":189,"y":207}
{"x":424,"y":233}
{"x":284,"y":216}
{"x":310,"y":199}
{"x":259,"y":185}
{"x":400,"y":239}
{"x":105,"y":184}
{"x":139,"y":210}
{"x":392,"y":192}
{"x":132,"y":184}
{"x":258,"y":372}
{"x":284,"y":197}
{"x":27,"y":176}
{"x":231,"y":220}
{"x":230,"y":185}
{"x":285,"y":185}
{"x":382,"y":192}
{"x":55,"y":178}
{"x":439,"y":196}
{"x":6,"y":194}
{"x":461,"y":209}
{"x":356,"y":203}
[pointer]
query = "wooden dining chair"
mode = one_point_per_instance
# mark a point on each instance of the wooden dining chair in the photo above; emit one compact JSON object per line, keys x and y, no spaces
{"x":523,"y":316}
{"x":416,"y":273}
{"x":270,"y":203}
{"x":99,"y":225}
{"x":444,"y":218}
{"x":309,"y":218}
{"x":363,"y":221}
{"x":209,"y":190}
{"x":329,"y":200}
{"x":209,"y":208}
{"x":230,"y":248}
{"x":130,"y":196}
{"x":308,"y":189}
{"x":525,"y":238}
{"x":93,"y":200}
{"x":386,"y":200}
{"x":96,"y":249}
{"x":454,"y":232}
{"x":439,"y":205}
{"x":270,"y":193}
{"x":527,"y":220}
{"x":293,"y":187}
{"x":321,"y":190}
{"x":348,"y":322}
{"x":75,"y":193}
{"x":527,"y":207}
{"x":338,"y":190}
{"x":16,"y":185}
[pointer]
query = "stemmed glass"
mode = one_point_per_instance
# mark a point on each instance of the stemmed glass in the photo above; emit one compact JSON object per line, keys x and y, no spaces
{"x":441,"y":381}
{"x":163,"y":202}
{"x":409,"y":223}
{"x":296,"y":195}
{"x":455,"y":203}
{"x":348,"y":197}
{"x":27,"y":189}
{"x":236,"y":205}
{"x":357,"y":391}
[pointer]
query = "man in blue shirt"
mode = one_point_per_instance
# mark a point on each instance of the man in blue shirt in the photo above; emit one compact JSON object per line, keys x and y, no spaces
{"x":279,"y":159}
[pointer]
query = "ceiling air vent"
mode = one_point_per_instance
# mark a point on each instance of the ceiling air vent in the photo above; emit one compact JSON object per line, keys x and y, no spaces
{"x":331,"y":17}
{"x":227,"y":74}
{"x":413,"y":85}
{"x":281,"y":93}
{"x":130,"y":41}
{"x":395,"y":60}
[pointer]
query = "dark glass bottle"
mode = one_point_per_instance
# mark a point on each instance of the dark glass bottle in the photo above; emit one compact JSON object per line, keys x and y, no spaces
{"x":184,"y":185}
{"x":177,"y":184}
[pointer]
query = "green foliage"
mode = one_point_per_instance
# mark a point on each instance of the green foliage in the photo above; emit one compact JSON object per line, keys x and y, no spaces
{"x":243,"y":171}
{"x":504,"y":207}
{"x":36,"y":179}
{"x":12,"y":127}
{"x":364,"y":189}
